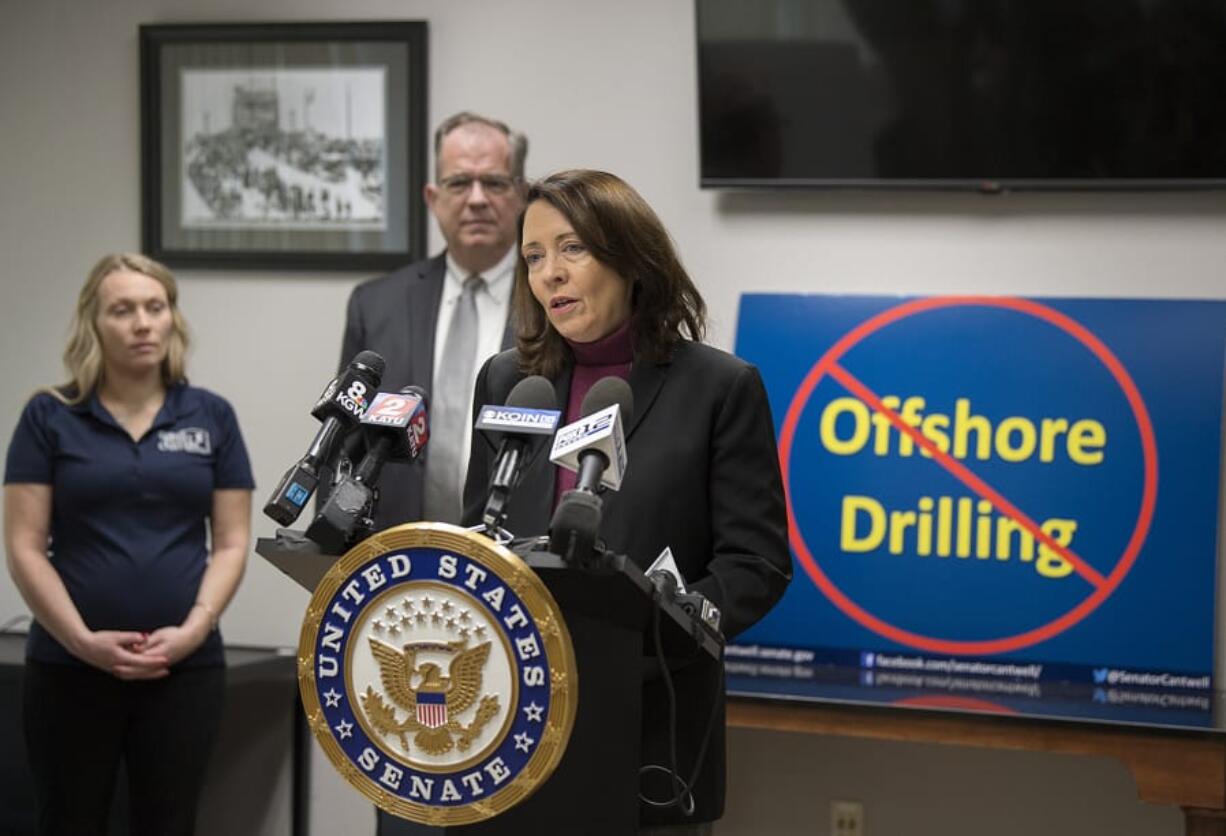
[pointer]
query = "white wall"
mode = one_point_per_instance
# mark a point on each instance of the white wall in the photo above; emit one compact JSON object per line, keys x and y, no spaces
{"x":605,"y":85}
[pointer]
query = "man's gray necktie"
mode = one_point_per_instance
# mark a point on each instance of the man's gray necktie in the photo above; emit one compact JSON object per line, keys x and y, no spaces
{"x":449,"y":423}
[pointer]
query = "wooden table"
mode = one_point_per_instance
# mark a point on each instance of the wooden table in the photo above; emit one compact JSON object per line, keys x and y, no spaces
{"x":1170,"y":766}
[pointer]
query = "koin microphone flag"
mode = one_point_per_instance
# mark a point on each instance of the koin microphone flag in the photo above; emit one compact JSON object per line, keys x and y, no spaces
{"x":529,"y":416}
{"x":595,"y":445}
{"x":342,"y":404}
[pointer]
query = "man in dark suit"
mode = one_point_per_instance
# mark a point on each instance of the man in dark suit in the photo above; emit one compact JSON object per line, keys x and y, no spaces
{"x":435,"y":321}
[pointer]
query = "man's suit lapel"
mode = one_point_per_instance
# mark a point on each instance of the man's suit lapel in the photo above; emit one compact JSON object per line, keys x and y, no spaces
{"x":508,"y":335}
{"x":425,"y":294}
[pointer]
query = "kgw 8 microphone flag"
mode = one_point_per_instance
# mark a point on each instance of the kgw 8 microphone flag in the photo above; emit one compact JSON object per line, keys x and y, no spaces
{"x":340,"y":407}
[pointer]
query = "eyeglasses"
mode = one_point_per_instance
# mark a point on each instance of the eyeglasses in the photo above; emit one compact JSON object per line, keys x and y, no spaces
{"x":458,"y":185}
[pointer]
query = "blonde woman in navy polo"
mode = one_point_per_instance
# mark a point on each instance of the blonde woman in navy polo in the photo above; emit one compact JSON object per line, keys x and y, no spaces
{"x":127,"y":515}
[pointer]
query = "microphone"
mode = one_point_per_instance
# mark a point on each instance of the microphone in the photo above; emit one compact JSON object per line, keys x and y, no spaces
{"x":595,"y":445}
{"x":396,"y":429}
{"x":665,"y":576}
{"x":529,"y":415}
{"x":342,"y":403}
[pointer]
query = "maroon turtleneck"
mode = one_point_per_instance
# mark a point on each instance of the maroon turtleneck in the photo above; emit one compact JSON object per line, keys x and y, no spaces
{"x":610,"y":356}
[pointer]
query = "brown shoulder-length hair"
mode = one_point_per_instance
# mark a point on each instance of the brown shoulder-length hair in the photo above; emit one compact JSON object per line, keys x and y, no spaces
{"x":624,"y":234}
{"x":83,"y":355}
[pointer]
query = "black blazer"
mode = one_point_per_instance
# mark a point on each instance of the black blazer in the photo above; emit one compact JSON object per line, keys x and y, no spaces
{"x":702,"y":477}
{"x":396,"y":315}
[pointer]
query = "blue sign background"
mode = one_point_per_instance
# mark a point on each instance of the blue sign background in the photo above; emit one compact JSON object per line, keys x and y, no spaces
{"x":1007,"y":363}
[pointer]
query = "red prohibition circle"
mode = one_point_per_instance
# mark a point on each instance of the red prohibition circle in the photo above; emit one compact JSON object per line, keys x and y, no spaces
{"x":1006,"y":643}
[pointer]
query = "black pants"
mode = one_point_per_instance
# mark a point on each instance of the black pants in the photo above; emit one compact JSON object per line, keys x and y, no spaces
{"x":80,"y":723}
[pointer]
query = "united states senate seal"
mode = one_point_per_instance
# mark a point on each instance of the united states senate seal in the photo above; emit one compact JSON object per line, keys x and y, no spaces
{"x":437,"y":674}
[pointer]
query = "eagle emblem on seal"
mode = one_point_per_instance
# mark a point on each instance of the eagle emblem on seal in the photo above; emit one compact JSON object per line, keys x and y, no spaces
{"x":432,"y":701}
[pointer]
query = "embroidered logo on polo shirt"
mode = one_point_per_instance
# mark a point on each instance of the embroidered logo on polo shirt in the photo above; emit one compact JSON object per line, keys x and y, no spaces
{"x":194,"y":440}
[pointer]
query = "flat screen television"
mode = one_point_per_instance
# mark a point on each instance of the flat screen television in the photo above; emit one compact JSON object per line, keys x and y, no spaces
{"x":982,"y":94}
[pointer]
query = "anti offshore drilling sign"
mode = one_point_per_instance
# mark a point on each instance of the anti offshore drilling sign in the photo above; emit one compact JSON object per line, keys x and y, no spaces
{"x":1016,"y":479}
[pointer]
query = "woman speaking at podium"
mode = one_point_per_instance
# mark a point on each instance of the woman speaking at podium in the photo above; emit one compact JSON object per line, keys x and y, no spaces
{"x":600,"y":292}
{"x":116,"y":484}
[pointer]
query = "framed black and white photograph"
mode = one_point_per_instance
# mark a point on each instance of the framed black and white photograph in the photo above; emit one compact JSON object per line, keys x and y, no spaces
{"x":284,"y":145}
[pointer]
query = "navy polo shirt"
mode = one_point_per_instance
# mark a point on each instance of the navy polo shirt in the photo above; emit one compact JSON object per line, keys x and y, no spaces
{"x":129,"y":519}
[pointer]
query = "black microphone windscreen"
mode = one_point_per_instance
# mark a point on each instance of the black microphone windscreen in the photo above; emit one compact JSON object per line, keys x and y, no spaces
{"x":414,"y":389}
{"x":606,"y":392}
{"x":533,"y":392}
{"x":371,"y":359}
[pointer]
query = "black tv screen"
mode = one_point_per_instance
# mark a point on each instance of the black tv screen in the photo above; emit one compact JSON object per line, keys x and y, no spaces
{"x":988,"y":94}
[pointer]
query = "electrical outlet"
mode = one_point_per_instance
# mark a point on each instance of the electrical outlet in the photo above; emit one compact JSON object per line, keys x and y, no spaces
{"x":846,"y":818}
